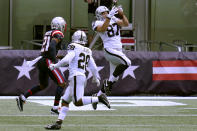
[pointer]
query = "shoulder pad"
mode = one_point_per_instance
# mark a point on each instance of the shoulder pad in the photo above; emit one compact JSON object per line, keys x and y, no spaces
{"x":88,"y":50}
{"x":57,"y":34}
{"x":48,"y":33}
{"x":71,"y":47}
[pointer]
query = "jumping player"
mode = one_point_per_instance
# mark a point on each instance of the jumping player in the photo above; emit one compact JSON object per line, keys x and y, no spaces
{"x":108,"y":27}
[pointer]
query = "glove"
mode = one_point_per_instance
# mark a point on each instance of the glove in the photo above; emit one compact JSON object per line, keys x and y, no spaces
{"x":96,"y":80}
{"x":120,"y":8}
{"x":113,"y":11}
{"x":52,"y":66}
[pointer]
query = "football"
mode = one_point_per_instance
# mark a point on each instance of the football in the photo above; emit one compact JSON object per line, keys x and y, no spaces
{"x":120,"y":14}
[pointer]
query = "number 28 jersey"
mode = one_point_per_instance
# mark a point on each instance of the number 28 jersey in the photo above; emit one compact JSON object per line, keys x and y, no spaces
{"x":111,"y":37}
{"x":82,"y":59}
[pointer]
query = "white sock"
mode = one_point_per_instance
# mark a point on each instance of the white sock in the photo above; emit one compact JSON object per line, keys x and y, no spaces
{"x":99,"y":93}
{"x":112,"y":78}
{"x":55,"y":107}
{"x":63,"y":113}
{"x":88,"y":100}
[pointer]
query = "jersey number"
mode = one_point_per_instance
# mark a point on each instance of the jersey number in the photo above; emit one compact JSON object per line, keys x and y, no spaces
{"x":110,"y":30}
{"x":82,"y":63}
{"x":45,"y":44}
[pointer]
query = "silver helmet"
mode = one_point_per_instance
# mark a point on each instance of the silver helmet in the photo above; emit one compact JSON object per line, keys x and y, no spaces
{"x":79,"y":37}
{"x":99,"y":12}
{"x":58,"y":23}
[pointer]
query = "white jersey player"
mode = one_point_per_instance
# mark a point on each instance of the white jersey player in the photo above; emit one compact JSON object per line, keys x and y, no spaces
{"x":108,"y":27}
{"x":79,"y":58}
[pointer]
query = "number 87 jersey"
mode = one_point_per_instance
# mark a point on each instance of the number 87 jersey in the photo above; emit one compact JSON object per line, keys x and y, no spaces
{"x":111,"y":37}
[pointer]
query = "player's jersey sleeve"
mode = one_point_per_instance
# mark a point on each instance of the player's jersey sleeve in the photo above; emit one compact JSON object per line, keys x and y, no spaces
{"x":96,"y":23}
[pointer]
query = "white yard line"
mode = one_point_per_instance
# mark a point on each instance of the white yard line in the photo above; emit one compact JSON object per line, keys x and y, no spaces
{"x":112,"y":97}
{"x":101,"y":115}
{"x":106,"y":125}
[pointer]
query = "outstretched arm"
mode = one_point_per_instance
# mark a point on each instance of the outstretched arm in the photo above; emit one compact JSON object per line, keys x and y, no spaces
{"x":66,"y":60}
{"x":124,"y":21}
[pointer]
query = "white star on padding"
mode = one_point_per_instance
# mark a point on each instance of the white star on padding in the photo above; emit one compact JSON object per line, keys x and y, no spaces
{"x":90,"y":73}
{"x":24,"y":70}
{"x":129,"y":71}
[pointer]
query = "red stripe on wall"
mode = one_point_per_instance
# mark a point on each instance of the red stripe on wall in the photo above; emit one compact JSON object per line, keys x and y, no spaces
{"x":174,"y":76}
{"x":176,"y":63}
{"x":127,"y":40}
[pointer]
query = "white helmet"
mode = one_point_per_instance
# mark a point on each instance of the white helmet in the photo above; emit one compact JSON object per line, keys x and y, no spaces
{"x":99,"y":12}
{"x":79,"y":37}
{"x":58,"y":23}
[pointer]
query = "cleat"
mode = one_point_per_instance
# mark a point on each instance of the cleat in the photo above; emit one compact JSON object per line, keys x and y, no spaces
{"x":20,"y":102}
{"x":107,"y":86}
{"x":103,"y":99}
{"x":94,"y":105}
{"x":54,"y":112}
{"x":55,"y":126}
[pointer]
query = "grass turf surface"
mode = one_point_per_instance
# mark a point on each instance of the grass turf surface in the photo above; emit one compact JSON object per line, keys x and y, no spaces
{"x":123,"y":118}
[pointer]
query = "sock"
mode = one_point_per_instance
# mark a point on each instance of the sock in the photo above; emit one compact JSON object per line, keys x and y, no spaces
{"x":119,"y":70}
{"x":99,"y":93}
{"x":63,"y":113}
{"x":112,"y":78}
{"x":32,"y":91}
{"x":58,"y":95}
{"x":88,"y":100}
{"x":102,"y":89}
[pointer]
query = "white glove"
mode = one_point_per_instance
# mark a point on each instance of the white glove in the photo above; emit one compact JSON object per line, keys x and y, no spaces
{"x":120,"y":8}
{"x":113,"y":11}
{"x":96,"y":80}
{"x":52,"y":66}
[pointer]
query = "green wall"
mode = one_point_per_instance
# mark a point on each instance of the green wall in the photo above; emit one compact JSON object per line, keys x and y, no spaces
{"x":4,"y":22}
{"x":174,"y":19}
{"x":27,"y":13}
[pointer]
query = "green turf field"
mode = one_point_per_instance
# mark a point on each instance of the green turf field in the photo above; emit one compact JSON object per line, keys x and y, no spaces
{"x":127,"y":114}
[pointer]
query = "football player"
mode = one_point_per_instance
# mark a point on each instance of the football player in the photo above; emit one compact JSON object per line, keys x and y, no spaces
{"x":108,"y":27}
{"x":51,"y":44}
{"x":78,"y":58}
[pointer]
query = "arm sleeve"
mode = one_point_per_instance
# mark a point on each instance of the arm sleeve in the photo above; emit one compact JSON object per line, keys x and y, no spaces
{"x":92,"y":66}
{"x":66,"y":60}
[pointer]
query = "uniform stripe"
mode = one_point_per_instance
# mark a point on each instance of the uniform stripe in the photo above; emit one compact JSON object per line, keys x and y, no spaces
{"x":75,"y":88}
{"x":58,"y":76}
{"x":30,"y":92}
{"x":56,"y":73}
{"x":116,"y":55}
{"x":179,"y":63}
